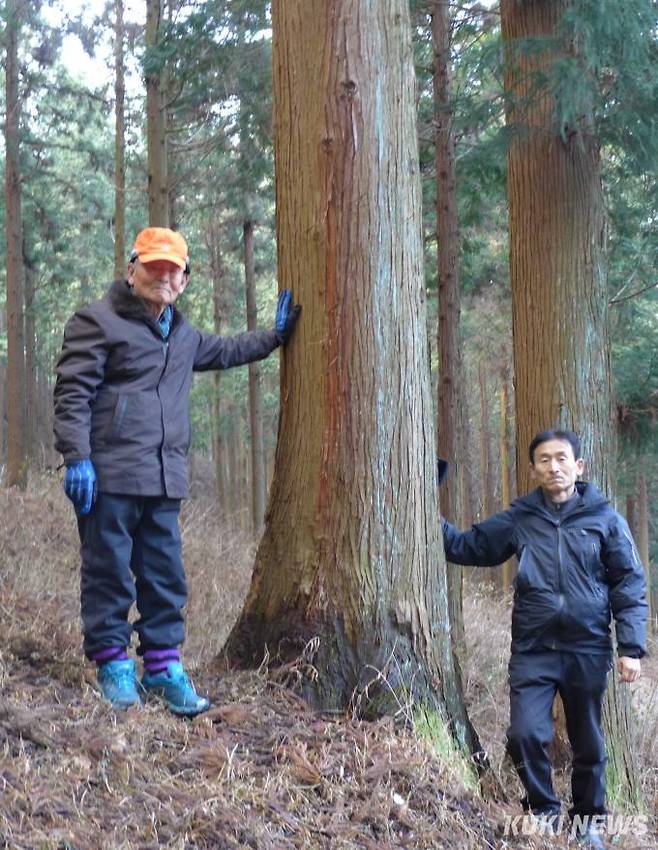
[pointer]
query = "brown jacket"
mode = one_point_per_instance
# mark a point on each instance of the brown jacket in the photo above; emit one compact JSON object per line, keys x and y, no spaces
{"x":122,"y":391}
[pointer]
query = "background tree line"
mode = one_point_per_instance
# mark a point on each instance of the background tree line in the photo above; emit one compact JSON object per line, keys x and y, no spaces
{"x":87,"y":165}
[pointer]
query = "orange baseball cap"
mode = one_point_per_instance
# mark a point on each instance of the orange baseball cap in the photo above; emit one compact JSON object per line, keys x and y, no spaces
{"x":160,"y":243}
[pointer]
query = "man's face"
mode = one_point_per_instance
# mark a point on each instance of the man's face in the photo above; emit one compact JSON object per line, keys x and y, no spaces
{"x":555,"y":469}
{"x":158,"y":283}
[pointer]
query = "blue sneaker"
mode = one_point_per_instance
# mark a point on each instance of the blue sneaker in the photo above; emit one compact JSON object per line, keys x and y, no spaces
{"x":118,"y":681}
{"x":174,"y":687}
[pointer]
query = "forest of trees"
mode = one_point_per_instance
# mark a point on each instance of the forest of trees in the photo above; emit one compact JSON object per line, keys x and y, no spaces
{"x":475,"y":251}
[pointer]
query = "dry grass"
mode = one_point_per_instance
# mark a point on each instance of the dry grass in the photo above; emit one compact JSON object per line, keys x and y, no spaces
{"x":260,"y":770}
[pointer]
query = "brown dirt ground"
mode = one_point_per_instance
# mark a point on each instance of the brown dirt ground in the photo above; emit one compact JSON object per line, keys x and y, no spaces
{"x":259,"y":770}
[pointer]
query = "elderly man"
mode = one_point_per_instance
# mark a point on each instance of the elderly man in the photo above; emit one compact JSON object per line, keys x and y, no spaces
{"x":577,"y":566}
{"x":122,"y":426}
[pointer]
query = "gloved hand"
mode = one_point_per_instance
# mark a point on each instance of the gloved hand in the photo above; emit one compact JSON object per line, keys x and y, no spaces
{"x":80,"y":485}
{"x":286,"y":316}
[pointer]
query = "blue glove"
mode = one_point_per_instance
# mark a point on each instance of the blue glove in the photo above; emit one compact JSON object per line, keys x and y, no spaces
{"x":80,"y":485}
{"x":286,"y":316}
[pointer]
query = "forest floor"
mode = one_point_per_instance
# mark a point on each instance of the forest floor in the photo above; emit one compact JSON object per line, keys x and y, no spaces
{"x":261,"y":769}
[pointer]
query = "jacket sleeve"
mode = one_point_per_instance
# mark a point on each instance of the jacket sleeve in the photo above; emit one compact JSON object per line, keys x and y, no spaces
{"x":487,"y":544}
{"x":80,"y":372}
{"x":627,"y":588}
{"x":222,"y":352}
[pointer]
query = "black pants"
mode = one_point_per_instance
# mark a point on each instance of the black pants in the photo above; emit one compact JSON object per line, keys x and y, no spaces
{"x":131,"y":552}
{"x":580,"y":679}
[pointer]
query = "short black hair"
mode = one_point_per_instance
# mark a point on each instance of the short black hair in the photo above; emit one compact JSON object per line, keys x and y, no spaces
{"x":552,"y":434}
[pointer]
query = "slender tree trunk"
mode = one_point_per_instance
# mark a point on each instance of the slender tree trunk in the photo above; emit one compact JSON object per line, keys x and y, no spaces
{"x":258,"y":484}
{"x":486,"y":478}
{"x":16,"y":473}
{"x":156,"y":125}
{"x":119,"y":145}
{"x":217,"y":273}
{"x":559,"y":297}
{"x":643,"y":538}
{"x":631,"y":503}
{"x":3,"y":393}
{"x":30,"y":387}
{"x":505,"y":471}
{"x":357,"y":581}
{"x":447,"y":232}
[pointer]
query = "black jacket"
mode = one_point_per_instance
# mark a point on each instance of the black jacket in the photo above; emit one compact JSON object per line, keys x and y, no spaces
{"x":122,"y":391}
{"x":575,"y":569}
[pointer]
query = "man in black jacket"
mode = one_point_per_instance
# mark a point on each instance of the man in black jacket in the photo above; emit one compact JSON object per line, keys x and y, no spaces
{"x":122,"y":425}
{"x":578,"y":565}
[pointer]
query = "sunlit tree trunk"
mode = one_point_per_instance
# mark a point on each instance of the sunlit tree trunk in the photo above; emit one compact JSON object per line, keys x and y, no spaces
{"x":16,"y":471}
{"x":258,"y":485}
{"x":447,"y":232}
{"x":357,"y":580}
{"x":559,"y":297}
{"x":156,"y":124}
{"x":119,"y":145}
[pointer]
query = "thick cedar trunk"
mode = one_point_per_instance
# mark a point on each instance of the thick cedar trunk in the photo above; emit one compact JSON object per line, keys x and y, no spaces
{"x":559,"y":297}
{"x":119,"y":145}
{"x":16,"y":471}
{"x":643,"y":536}
{"x":557,"y":266}
{"x":447,"y":233}
{"x":258,"y":486}
{"x":156,"y":127}
{"x":351,"y":564}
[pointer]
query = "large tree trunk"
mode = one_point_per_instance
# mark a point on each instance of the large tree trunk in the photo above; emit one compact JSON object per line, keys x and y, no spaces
{"x":447,"y":233}
{"x":156,"y":125}
{"x":351,"y":565}
{"x":119,"y":145}
{"x":16,"y":472}
{"x":557,"y":266}
{"x":258,"y":485}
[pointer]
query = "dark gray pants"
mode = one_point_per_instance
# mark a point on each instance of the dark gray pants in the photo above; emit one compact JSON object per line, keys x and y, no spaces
{"x":580,"y":679}
{"x":131,"y":552}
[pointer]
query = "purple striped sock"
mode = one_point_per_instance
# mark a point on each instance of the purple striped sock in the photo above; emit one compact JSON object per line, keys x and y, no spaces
{"x":157,"y":660}
{"x":110,"y":653}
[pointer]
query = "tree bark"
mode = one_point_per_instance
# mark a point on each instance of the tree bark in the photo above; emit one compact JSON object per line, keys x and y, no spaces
{"x":643,"y":538}
{"x":156,"y":124}
{"x":559,"y":296}
{"x":3,"y":393}
{"x":119,"y":145}
{"x":258,"y":484}
{"x":16,"y":471}
{"x":506,"y":569}
{"x":447,"y":233}
{"x":30,"y":388}
{"x":356,"y":584}
{"x":217,"y":274}
{"x":631,"y":503}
